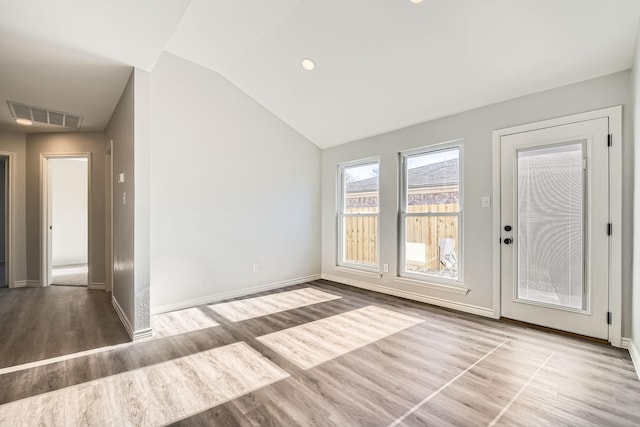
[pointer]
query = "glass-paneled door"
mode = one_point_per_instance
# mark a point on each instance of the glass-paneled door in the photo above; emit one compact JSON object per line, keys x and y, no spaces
{"x":554,"y":216}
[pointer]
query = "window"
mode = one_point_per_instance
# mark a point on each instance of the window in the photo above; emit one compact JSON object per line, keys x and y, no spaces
{"x":431,"y":214}
{"x":358,"y":211}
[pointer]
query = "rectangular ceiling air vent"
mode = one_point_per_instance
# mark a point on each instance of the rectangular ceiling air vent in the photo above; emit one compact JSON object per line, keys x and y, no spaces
{"x":44,"y":115}
{"x":56,"y":118}
{"x":71,"y":121}
{"x":21,"y":111}
{"x":40,"y":116}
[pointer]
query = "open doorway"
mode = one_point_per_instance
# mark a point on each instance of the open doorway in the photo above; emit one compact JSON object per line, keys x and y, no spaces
{"x":67,"y":220}
{"x":4,"y":219}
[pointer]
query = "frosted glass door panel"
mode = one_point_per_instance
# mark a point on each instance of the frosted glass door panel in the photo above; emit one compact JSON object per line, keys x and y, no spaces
{"x":550,"y":225}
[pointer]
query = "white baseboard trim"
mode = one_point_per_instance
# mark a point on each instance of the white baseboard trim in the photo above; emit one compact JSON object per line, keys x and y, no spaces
{"x":233,"y":294}
{"x":134,"y":335}
{"x":97,"y":286}
{"x":625,"y":342}
{"x":467,"y":308}
{"x":142,"y":334}
{"x":123,"y":317}
{"x":635,"y":356}
{"x":26,"y":284}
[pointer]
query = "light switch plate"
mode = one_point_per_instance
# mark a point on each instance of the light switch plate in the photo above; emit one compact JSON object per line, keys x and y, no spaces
{"x":486,"y":201}
{"x":121,"y":178}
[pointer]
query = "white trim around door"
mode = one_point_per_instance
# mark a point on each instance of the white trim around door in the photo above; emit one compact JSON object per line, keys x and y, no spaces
{"x":614,"y":115}
{"x":44,"y":213}
{"x":9,"y":220}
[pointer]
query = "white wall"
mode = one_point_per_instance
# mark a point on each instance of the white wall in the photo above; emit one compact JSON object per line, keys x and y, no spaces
{"x":142,"y":176}
{"x":475,"y":128}
{"x":231,"y":185}
{"x":635,"y":326}
{"x":69,"y":203}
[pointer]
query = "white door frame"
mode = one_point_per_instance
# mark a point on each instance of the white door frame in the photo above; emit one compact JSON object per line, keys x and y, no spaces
{"x":109,"y":212}
{"x":9,"y":220}
{"x":44,"y":213}
{"x":614,"y":115}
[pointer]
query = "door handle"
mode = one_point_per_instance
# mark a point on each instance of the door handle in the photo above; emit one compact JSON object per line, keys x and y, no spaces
{"x":508,"y":241}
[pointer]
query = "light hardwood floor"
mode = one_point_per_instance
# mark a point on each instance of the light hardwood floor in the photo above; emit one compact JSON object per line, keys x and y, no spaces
{"x":250,"y":308}
{"x":443,"y":368}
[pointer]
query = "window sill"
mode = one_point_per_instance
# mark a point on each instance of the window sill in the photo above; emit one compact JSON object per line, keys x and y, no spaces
{"x":460,"y":290}
{"x":365,"y":273}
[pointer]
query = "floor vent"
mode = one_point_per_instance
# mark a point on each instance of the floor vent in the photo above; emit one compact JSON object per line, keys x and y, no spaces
{"x":44,"y":116}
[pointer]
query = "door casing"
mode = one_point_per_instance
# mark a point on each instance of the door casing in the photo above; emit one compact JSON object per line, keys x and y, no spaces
{"x":45,"y":238}
{"x":614,"y":115}
{"x":10,"y":179}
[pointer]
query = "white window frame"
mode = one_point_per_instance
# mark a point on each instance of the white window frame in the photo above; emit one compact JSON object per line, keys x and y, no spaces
{"x":340,"y":262}
{"x":403,"y":214}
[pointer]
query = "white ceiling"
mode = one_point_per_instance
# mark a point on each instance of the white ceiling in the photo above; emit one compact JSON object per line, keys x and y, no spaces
{"x":49,"y":76}
{"x":381,"y":64}
{"x":75,"y":56}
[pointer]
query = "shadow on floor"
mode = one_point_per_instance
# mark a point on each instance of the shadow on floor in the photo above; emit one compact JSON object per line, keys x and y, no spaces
{"x":55,"y":321}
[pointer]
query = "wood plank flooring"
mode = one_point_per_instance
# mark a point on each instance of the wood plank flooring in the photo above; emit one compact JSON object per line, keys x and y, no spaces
{"x":250,"y":308}
{"x":317,"y":342}
{"x":180,"y":322}
{"x":40,"y":323}
{"x":448,"y":368}
{"x":156,"y":395}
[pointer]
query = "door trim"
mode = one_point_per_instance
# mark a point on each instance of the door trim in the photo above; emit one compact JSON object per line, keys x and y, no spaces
{"x":10,"y":217}
{"x":109,"y":212}
{"x":44,"y":197}
{"x":614,"y":115}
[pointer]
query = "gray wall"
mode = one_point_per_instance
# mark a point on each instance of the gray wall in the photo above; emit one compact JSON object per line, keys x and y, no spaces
{"x":66,"y":143}
{"x":14,"y":142}
{"x":231,"y":185}
{"x":475,"y":127}
{"x":120,"y":131}
{"x":128,"y":130}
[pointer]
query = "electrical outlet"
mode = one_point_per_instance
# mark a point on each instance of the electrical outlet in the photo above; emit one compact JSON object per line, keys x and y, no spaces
{"x":256,"y":268}
{"x":124,"y":197}
{"x":385,"y":268}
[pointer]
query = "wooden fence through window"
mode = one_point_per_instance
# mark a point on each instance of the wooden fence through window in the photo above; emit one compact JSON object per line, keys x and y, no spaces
{"x":361,"y":236}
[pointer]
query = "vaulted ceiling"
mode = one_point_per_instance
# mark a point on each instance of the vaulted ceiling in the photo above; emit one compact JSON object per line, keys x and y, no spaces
{"x":380,"y":64}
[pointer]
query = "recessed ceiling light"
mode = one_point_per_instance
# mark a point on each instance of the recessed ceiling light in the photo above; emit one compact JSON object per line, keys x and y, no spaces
{"x":25,"y":122}
{"x":308,"y":64}
{"x":416,"y":1}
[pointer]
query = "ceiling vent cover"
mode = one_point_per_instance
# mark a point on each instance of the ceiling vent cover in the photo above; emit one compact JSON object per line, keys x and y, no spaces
{"x":44,"y":116}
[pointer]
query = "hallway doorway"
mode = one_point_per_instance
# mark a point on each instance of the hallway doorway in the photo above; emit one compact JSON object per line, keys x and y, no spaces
{"x":67,"y":220}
